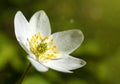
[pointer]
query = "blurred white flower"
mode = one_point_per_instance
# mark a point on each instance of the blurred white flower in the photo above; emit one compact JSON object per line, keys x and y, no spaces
{"x":46,"y":50}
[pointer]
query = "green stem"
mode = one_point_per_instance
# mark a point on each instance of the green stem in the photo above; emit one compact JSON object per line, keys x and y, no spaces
{"x":24,"y":74}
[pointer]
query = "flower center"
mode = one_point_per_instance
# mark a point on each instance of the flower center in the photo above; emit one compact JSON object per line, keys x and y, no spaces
{"x":42,"y":48}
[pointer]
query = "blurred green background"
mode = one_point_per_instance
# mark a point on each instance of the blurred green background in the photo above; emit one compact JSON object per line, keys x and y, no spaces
{"x":99,"y":20}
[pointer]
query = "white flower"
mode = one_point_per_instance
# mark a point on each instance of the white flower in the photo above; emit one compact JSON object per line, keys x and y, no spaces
{"x":46,"y":50}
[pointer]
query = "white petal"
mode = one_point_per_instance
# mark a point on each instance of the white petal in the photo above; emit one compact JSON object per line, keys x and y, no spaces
{"x":22,"y":30}
{"x":40,"y":23}
{"x":37,"y":65}
{"x":68,"y":41}
{"x":65,"y":64}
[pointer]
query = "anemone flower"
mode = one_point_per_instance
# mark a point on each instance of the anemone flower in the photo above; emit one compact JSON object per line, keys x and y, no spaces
{"x":46,"y":50}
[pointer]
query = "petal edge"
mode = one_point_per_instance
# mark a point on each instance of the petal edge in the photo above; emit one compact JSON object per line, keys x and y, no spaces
{"x":37,"y":65}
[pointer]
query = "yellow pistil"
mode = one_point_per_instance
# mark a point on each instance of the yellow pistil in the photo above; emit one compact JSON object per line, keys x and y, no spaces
{"x":41,"y":48}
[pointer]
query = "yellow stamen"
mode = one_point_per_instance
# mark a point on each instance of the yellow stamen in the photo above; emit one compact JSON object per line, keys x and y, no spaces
{"x":39,"y":47}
